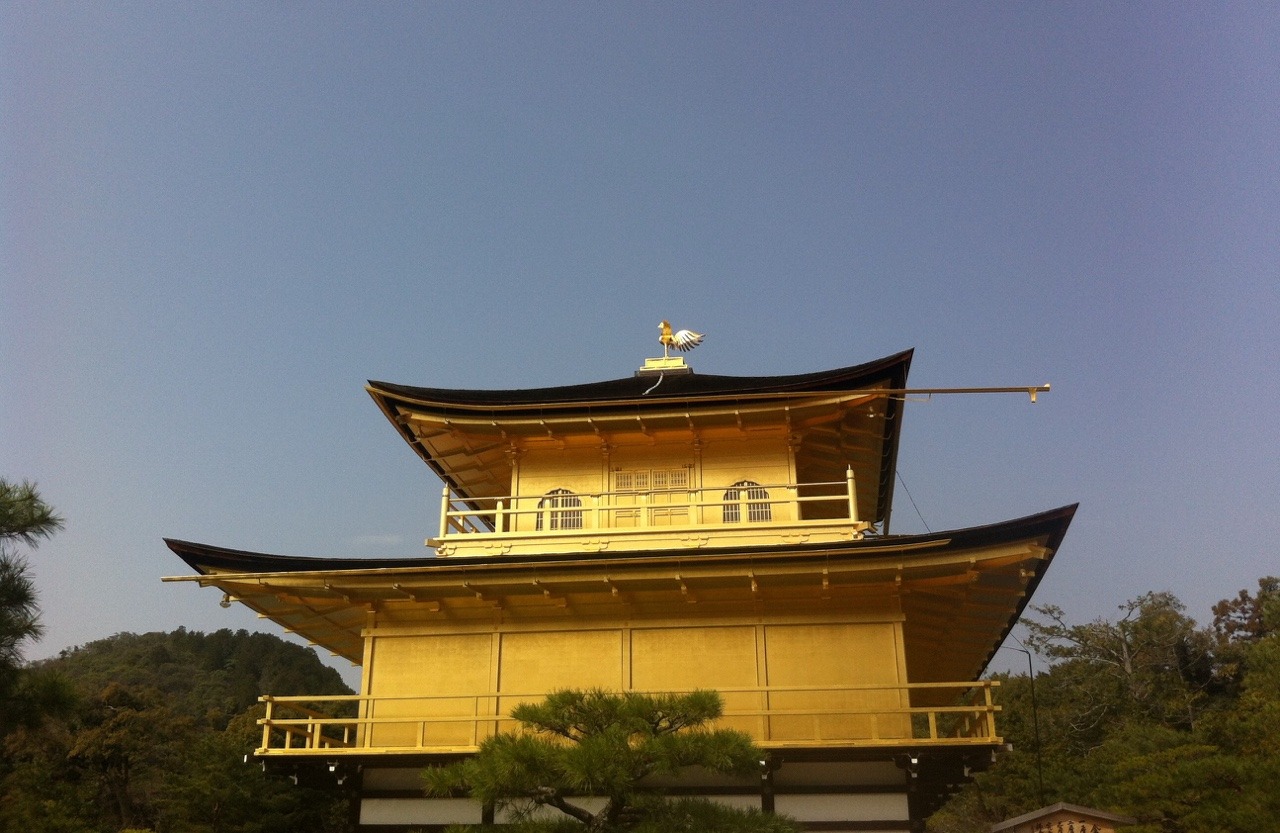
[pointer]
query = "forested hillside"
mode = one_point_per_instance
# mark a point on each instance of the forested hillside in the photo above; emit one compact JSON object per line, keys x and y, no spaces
{"x":1148,"y":715}
{"x":157,"y":736}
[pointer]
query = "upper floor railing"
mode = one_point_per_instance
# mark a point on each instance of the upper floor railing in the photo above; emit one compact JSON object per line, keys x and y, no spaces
{"x":774,"y":716}
{"x":565,"y":513}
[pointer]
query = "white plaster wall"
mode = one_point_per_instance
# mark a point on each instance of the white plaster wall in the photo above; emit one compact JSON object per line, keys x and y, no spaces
{"x":419,"y":811}
{"x":864,"y":807}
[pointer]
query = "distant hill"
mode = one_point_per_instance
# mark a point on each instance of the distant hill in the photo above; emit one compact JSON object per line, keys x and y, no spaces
{"x":157,"y":737}
{"x":208,"y":677}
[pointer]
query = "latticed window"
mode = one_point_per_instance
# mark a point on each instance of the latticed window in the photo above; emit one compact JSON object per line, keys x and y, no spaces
{"x":563,"y":510}
{"x":647,"y":480}
{"x":658,"y":496}
{"x":757,"y":498}
{"x":670,"y":479}
{"x":631,"y":481}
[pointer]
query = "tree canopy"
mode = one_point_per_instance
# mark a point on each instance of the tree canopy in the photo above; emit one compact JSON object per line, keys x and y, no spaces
{"x":157,"y":740}
{"x":1148,"y":715}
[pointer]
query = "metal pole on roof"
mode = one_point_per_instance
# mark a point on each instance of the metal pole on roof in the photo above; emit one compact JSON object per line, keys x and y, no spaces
{"x":1029,"y":391}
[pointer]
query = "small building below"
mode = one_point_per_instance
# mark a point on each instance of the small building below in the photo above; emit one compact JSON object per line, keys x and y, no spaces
{"x":1064,"y":818}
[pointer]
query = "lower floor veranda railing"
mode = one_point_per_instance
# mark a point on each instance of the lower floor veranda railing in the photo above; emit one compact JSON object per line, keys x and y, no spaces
{"x":775,"y":717}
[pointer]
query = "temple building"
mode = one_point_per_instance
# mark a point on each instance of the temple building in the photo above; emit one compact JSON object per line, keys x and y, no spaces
{"x":663,"y":532}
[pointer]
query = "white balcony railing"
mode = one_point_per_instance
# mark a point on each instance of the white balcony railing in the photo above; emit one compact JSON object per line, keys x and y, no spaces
{"x":558,"y":514}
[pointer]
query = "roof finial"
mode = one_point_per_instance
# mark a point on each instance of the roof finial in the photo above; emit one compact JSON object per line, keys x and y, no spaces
{"x":682,"y":340}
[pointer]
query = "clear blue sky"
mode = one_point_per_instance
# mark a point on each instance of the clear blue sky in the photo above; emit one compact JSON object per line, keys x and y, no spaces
{"x":219,"y":220}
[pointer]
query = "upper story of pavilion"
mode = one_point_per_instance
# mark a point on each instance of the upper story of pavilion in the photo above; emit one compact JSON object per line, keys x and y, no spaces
{"x":662,"y":460}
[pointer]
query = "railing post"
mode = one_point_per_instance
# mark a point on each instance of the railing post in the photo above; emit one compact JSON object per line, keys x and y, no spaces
{"x":853,"y":494}
{"x":766,"y":724}
{"x":991,"y":713}
{"x":497,"y":516}
{"x":444,"y":512}
{"x":266,"y":721}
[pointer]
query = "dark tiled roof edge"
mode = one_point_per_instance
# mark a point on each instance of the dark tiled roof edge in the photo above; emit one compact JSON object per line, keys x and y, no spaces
{"x":202,"y":558}
{"x":690,"y":385}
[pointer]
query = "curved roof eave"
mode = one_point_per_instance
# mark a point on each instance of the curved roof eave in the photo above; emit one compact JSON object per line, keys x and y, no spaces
{"x":633,"y":388}
{"x":207,"y":559}
{"x":324,"y":599}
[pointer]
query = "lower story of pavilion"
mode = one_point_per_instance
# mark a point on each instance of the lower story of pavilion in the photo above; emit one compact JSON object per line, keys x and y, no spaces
{"x":886,"y":790}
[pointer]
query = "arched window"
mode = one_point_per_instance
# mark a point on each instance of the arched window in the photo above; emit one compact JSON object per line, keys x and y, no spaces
{"x":757,"y":498}
{"x":563,"y":510}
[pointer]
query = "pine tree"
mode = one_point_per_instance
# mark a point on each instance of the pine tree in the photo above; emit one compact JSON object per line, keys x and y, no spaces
{"x":604,"y":744}
{"x":25,"y":695}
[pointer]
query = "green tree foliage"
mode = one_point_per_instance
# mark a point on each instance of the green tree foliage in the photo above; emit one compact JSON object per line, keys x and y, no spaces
{"x":1151,"y":662}
{"x":1245,"y":618}
{"x":1238,"y":624}
{"x":212,"y":677}
{"x":24,"y":516}
{"x":158,"y":739}
{"x":1149,"y":716}
{"x":603,"y":744}
{"x":25,"y":697}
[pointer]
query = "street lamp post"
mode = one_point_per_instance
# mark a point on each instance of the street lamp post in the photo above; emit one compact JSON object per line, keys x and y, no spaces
{"x":1035,"y":717}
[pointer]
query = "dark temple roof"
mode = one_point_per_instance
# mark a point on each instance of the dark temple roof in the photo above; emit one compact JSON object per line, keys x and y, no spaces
{"x":890,"y":371}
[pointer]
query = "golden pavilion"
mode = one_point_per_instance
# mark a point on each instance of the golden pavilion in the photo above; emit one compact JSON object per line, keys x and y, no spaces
{"x":663,"y":532}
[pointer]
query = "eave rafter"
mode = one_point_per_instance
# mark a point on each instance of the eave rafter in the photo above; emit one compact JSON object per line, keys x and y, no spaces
{"x":689,"y":595}
{"x":335,"y":628}
{"x":616,"y":593}
{"x":942,"y":638}
{"x":484,"y":596}
{"x":553,"y":596}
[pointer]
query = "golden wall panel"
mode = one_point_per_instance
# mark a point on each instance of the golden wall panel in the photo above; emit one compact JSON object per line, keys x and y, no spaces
{"x":766,"y":461}
{"x":436,"y":666}
{"x":658,"y":456}
{"x":544,"y":470}
{"x":542,"y":661}
{"x":821,"y":656}
{"x":688,"y":658}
